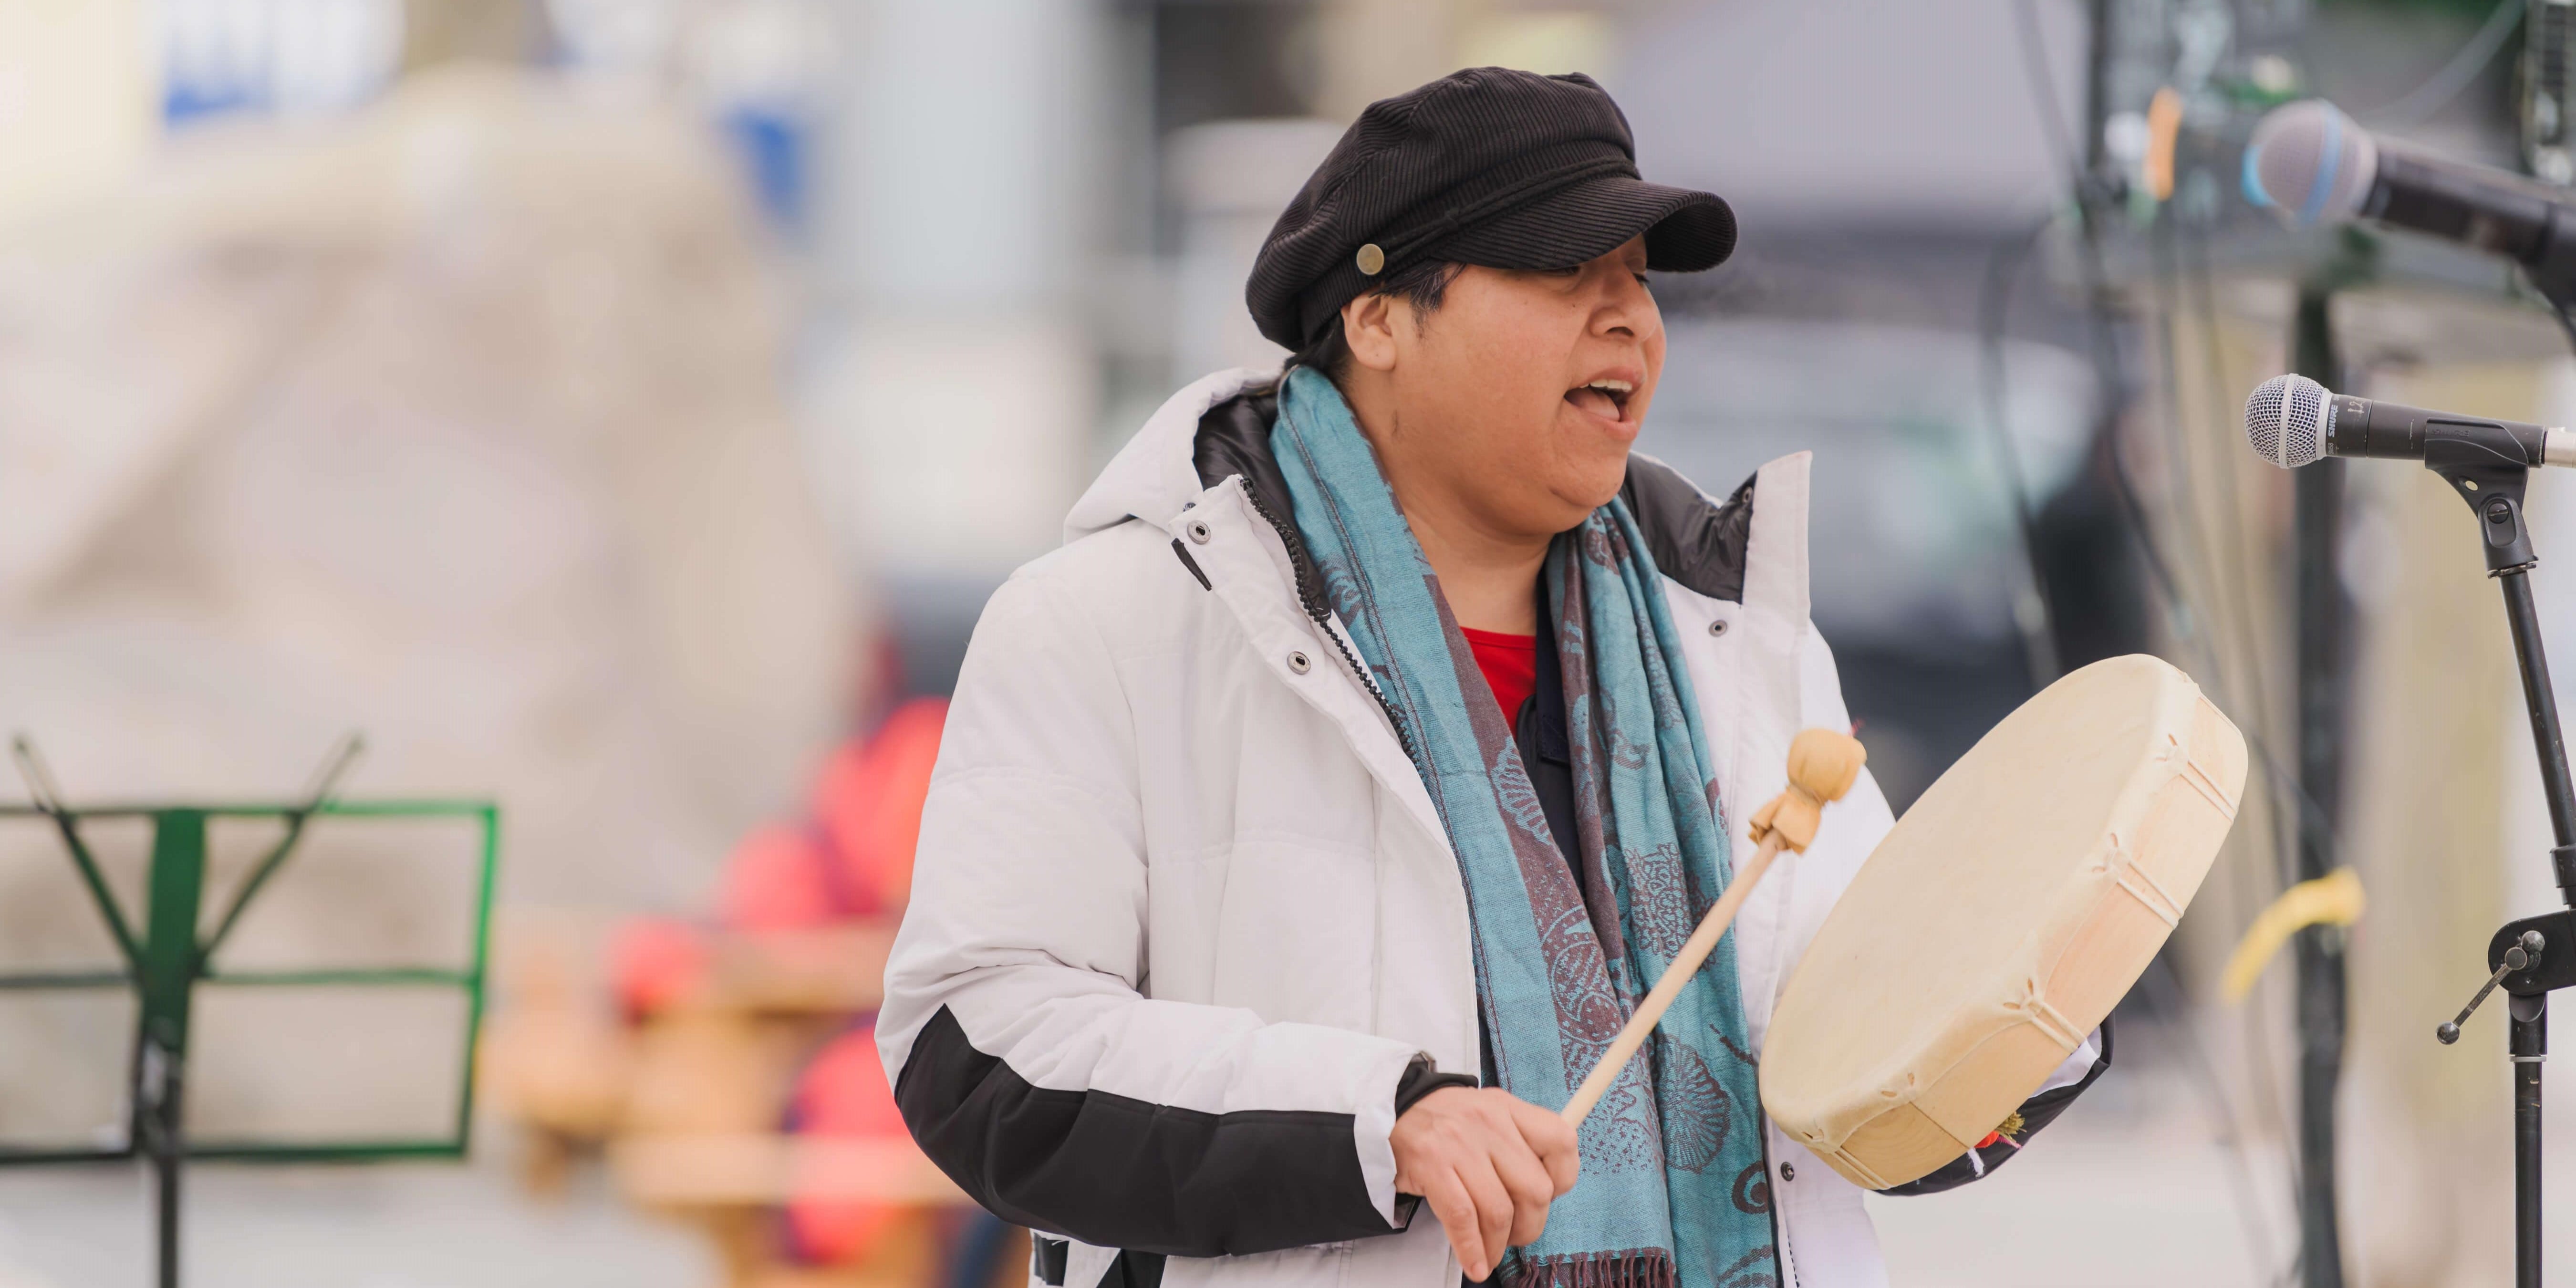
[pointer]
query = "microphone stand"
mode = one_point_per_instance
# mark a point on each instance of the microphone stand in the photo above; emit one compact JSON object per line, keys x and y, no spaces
{"x":2531,"y":957}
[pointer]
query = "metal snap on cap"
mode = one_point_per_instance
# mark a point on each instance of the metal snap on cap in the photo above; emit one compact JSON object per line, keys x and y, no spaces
{"x":1372,"y":261}
{"x":1297,"y":662}
{"x":1788,"y":1171}
{"x":1717,"y":627}
{"x":1199,"y":531}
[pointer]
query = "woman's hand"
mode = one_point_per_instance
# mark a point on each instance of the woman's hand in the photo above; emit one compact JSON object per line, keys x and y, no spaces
{"x":1488,"y":1163}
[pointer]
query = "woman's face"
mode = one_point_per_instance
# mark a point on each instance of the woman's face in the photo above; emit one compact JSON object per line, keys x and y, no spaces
{"x":1522,"y":393}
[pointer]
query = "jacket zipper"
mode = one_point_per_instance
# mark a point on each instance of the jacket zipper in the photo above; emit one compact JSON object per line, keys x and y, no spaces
{"x":1323,"y":619}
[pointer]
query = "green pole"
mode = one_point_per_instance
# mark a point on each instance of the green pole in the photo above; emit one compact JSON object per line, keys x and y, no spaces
{"x":167,"y":974}
{"x":491,"y":819}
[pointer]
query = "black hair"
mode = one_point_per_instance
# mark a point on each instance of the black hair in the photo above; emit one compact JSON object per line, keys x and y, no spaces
{"x":1423,"y":284}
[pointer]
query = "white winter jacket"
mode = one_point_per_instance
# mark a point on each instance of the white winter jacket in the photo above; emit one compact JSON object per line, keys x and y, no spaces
{"x":1183,"y":913}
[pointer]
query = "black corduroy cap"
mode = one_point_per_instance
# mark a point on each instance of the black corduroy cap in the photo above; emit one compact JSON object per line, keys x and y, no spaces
{"x":1486,"y":166}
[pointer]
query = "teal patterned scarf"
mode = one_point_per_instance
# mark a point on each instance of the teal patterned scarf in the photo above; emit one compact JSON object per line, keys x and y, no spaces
{"x":1673,"y":1187}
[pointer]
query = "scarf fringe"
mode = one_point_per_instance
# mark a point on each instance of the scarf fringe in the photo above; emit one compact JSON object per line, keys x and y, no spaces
{"x":1633,"y":1268}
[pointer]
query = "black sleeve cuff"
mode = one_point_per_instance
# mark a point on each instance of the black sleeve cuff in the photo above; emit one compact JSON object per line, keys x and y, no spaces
{"x":1118,"y":1172}
{"x":1421,"y":1078}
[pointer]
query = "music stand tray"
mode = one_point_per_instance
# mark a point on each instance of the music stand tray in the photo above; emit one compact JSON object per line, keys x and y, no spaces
{"x":168,"y":961}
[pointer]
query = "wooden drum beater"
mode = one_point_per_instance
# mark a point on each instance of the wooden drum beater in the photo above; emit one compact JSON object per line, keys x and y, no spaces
{"x":1823,"y":765}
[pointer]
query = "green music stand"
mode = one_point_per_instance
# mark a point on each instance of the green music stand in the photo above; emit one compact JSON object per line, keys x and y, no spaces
{"x":167,"y":963}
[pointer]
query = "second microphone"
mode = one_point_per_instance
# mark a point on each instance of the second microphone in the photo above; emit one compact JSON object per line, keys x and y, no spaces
{"x":2292,"y":421}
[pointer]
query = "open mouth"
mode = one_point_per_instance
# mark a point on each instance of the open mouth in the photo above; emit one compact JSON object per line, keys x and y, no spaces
{"x":1607,"y":399}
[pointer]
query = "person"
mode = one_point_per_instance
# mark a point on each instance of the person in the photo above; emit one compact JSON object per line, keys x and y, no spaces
{"x":1308,"y":823}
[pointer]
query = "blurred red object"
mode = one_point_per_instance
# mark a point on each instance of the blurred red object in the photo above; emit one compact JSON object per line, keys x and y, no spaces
{"x":843,"y":1094}
{"x":781,"y":877}
{"x":656,"y":962}
{"x":868,"y":800}
{"x":852,"y":861}
{"x":855,"y":858}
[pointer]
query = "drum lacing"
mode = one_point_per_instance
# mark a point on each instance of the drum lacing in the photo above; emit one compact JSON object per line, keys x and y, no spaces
{"x":1868,"y":1176}
{"x":2035,"y":1008}
{"x":2194,"y":773}
{"x":2208,"y":787}
{"x":2129,"y":876}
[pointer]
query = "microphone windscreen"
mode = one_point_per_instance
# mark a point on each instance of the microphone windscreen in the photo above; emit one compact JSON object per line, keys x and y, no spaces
{"x":2285,"y":420}
{"x":2309,"y":163}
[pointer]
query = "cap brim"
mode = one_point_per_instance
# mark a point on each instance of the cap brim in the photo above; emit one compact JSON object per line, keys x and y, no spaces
{"x":1686,"y":231}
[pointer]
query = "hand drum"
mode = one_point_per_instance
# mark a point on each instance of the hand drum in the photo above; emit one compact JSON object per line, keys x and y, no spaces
{"x":2001,"y":920}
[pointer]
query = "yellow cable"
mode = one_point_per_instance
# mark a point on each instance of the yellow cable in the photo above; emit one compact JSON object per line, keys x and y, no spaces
{"x":2334,"y":899}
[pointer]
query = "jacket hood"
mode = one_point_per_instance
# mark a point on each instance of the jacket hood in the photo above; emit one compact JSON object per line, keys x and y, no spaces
{"x":1154,"y":475}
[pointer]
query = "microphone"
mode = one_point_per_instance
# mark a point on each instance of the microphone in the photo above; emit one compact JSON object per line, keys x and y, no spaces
{"x":2293,"y":421}
{"x":2311,"y":164}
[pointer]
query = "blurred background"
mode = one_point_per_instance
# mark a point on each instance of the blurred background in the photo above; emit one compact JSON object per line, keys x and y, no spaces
{"x":619,"y":410}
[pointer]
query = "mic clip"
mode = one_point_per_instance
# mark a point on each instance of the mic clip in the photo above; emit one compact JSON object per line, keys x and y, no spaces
{"x":2492,"y":483}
